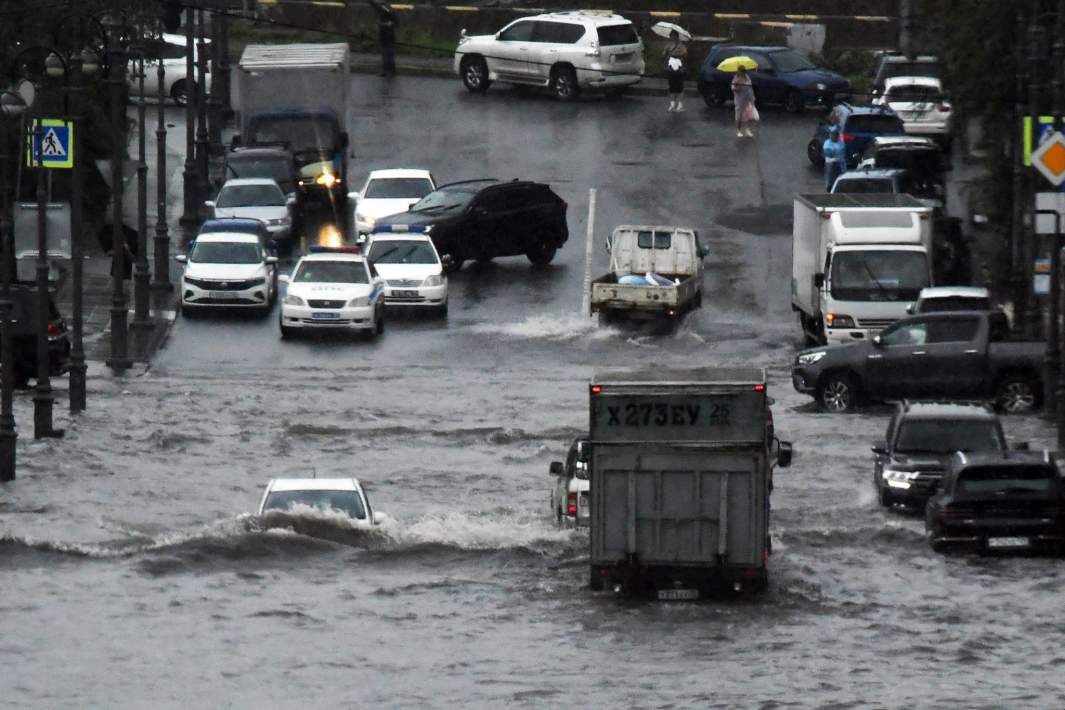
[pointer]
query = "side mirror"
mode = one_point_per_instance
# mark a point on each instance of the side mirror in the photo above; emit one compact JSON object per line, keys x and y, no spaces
{"x":556,"y":468}
{"x":1020,"y":446}
{"x":181,"y":259}
{"x":271,"y":260}
{"x":235,"y":142}
{"x":208,"y":203}
{"x":379,"y":518}
{"x":354,"y":196}
{"x":361,"y":239}
{"x":580,"y":470}
{"x":290,"y":201}
{"x":877,"y":342}
{"x":284,"y":279}
{"x":607,"y":244}
{"x":784,"y":453}
{"x":446,"y":260}
{"x":819,"y":280}
{"x":880,"y":449}
{"x":911,"y":309}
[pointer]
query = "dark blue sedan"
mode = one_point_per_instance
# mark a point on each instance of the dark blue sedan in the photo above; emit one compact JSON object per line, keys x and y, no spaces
{"x":783,"y":77}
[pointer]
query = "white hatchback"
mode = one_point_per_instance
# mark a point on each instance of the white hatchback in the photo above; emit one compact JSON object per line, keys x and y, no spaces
{"x":412,"y":269}
{"x":344,"y":496}
{"x":564,"y":51}
{"x":387,"y":192}
{"x":227,"y":270}
{"x":920,"y":103}
{"x":333,"y":288}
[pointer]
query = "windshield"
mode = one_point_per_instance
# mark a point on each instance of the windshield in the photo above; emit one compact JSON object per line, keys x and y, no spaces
{"x":789,"y":60}
{"x":955,"y":303}
{"x":878,"y":275}
{"x":1008,"y":479}
{"x":925,"y":436}
{"x":914,"y":93}
{"x":864,"y":185}
{"x":225,"y":253}
{"x":892,"y":69}
{"x":398,"y":188}
{"x":874,"y":123}
{"x":331,"y":272}
{"x":347,"y":502}
{"x":298,"y":132}
{"x":405,"y":252}
{"x":251,"y":196}
{"x":276,"y":169}
{"x":444,"y":199}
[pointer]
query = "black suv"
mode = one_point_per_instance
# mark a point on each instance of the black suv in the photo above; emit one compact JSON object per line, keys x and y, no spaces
{"x":24,"y":335}
{"x":921,"y":438}
{"x":483,"y":219}
{"x":998,"y":502}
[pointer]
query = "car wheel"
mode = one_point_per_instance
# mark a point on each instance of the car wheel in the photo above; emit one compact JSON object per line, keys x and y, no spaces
{"x":813,"y":153}
{"x":475,"y":74}
{"x":793,"y":102}
{"x":456,"y":262}
{"x":286,"y":332}
{"x":558,"y":518}
{"x":837,"y":392}
{"x":1017,"y":394}
{"x":179,"y":92}
{"x":564,"y":84}
{"x":380,"y":329}
{"x":441,"y":312}
{"x":542,"y":254}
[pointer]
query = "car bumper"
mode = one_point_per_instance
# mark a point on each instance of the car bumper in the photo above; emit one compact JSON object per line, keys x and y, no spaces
{"x":1035,"y":536}
{"x":253,"y":297}
{"x":609,"y":76}
{"x":360,"y":318}
{"x":843,"y":336}
{"x":926,"y":128}
{"x":424,"y":296}
{"x":803,"y":381}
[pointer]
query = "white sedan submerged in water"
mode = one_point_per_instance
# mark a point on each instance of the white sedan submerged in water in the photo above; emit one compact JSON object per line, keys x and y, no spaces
{"x":330,"y":495}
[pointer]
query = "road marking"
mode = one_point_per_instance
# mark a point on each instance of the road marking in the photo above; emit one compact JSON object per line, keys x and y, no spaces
{"x":871,"y":18}
{"x":461,"y":8}
{"x":529,"y":9}
{"x":664,"y":13}
{"x":328,"y":3}
{"x":586,"y":301}
{"x":801,"y":17}
{"x":400,"y":6}
{"x":772,"y":23}
{"x":732,"y":15}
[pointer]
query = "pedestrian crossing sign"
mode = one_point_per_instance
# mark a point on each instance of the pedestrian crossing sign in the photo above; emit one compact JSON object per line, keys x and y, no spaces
{"x":51,"y":144}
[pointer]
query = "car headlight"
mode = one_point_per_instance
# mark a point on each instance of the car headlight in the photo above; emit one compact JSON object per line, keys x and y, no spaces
{"x":821,"y":87}
{"x":291,"y":300}
{"x":894,"y":474}
{"x":256,"y":282}
{"x":838,"y":320}
{"x":434,"y":280}
{"x":277,"y":222}
{"x":326,"y":179}
{"x":359,"y":301}
{"x":810,"y":358}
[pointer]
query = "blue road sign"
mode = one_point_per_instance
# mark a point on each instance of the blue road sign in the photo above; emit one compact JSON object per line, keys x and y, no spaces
{"x":52,"y":144}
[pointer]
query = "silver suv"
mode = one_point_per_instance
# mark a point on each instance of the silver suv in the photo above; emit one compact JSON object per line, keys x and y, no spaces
{"x":565,"y":51}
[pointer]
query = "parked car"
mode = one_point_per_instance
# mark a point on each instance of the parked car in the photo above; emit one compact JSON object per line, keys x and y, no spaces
{"x":170,"y":50}
{"x":923,"y":107}
{"x":255,"y":198}
{"x":921,"y":438}
{"x":24,"y":334}
{"x":564,"y":51}
{"x":274,"y":163}
{"x":998,"y":502}
{"x":569,"y":494}
{"x":412,"y":269}
{"x":227,"y":270}
{"x":936,"y":299}
{"x":484,"y":219}
{"x":920,"y":157}
{"x":345,"y":496}
{"x":895,"y":181}
{"x":387,"y":192}
{"x":892,"y":64}
{"x":333,"y":288}
{"x":858,"y":125}
{"x":959,"y":355}
{"x":784,"y":76}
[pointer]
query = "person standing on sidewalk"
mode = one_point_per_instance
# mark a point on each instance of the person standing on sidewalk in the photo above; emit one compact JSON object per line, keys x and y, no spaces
{"x":743,"y":100}
{"x":834,"y":152}
{"x":676,"y":54}
{"x":386,"y":35}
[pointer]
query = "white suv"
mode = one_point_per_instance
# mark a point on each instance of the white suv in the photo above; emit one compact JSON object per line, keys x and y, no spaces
{"x":565,"y":51}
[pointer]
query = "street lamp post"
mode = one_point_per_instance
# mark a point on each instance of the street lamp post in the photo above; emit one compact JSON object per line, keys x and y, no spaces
{"x":120,"y":360}
{"x":161,"y":283}
{"x":201,"y":107}
{"x":214,"y":100}
{"x":11,"y":105}
{"x":142,"y":322}
{"x":192,"y":200}
{"x":42,"y":397}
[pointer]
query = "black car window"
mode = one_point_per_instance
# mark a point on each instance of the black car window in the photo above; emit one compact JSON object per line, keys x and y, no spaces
{"x":654,"y":240}
{"x":492,"y":200}
{"x":944,"y":436}
{"x":874,"y":123}
{"x":398,"y":188}
{"x":788,"y":60}
{"x":909,"y":334}
{"x":613,"y":35}
{"x":720,"y":54}
{"x":955,"y":303}
{"x":446,"y":198}
{"x":337,"y":272}
{"x":1008,"y":479}
{"x":225,"y":253}
{"x":277,"y":169}
{"x":557,"y":32}
{"x":960,"y":330}
{"x":865,"y":185}
{"x":251,"y":196}
{"x":761,"y":60}
{"x":518,"y":32}
{"x":347,"y":502}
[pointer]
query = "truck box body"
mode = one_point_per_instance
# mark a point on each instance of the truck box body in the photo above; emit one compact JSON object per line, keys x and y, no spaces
{"x":679,"y":480}
{"x":672,"y":253}
{"x":893,"y":233}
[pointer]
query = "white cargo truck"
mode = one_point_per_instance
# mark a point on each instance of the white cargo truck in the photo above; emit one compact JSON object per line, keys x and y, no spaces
{"x":656,"y":272}
{"x":681,"y":472}
{"x":857,"y":262}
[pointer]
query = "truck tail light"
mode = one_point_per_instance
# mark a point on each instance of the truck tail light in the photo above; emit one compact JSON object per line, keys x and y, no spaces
{"x":571,"y":504}
{"x":759,"y":388}
{"x":848,"y":137}
{"x":53,"y":328}
{"x":596,"y":389}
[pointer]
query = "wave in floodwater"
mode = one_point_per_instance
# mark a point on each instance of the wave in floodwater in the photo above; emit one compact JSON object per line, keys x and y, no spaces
{"x":547,"y":327}
{"x":488,"y":434}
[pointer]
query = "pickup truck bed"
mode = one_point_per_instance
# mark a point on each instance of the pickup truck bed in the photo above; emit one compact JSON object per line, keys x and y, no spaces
{"x":640,"y":301}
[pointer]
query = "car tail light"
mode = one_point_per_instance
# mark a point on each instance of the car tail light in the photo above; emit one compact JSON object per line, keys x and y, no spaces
{"x":54,"y":328}
{"x":571,"y":504}
{"x":848,"y":137}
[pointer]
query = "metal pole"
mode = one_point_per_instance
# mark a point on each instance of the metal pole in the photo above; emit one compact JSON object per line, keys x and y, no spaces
{"x":192,"y":199}
{"x":201,"y":107}
{"x":1030,"y":236}
{"x":77,"y":347}
{"x":214,"y":99}
{"x":1018,"y":270}
{"x":162,"y":237}
{"x":1055,"y":263}
{"x":142,"y":322}
{"x":42,"y":397}
{"x":8,"y":435}
{"x":119,"y":355}
{"x":223,"y":65}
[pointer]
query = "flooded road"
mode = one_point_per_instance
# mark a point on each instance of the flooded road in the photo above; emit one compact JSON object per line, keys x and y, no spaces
{"x":134,"y":573}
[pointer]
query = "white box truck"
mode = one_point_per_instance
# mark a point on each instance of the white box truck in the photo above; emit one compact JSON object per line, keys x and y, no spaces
{"x":681,"y":472}
{"x":857,"y":262}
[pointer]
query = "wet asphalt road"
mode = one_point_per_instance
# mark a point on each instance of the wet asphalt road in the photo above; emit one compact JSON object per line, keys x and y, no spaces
{"x":133,"y":573}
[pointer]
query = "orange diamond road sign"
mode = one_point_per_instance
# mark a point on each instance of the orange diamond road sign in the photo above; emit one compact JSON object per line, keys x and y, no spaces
{"x":1049,"y":159}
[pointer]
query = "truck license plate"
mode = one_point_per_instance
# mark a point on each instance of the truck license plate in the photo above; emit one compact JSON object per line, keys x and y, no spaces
{"x":1007,"y":542}
{"x":672,"y":595}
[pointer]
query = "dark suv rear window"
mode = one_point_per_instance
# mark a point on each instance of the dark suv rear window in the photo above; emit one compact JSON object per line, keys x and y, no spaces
{"x":557,"y":32}
{"x":874,"y":124}
{"x":617,"y":34}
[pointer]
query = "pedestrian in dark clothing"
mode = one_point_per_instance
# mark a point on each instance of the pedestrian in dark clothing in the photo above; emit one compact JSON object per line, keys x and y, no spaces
{"x":676,"y":55}
{"x":386,"y":35}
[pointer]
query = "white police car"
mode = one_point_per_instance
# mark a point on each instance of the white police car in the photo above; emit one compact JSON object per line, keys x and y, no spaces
{"x":413,"y":270}
{"x":333,"y":288}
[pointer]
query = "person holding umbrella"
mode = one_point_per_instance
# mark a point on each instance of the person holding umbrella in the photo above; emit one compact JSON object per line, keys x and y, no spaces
{"x":676,"y":55}
{"x":743,"y":100}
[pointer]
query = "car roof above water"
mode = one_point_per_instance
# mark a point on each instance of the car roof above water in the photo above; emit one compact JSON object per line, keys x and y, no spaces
{"x":239,"y":237}
{"x":947,"y":410}
{"x":314,"y":484}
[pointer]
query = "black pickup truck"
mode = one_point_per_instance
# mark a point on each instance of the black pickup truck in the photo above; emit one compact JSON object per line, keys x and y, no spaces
{"x":959,"y":355}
